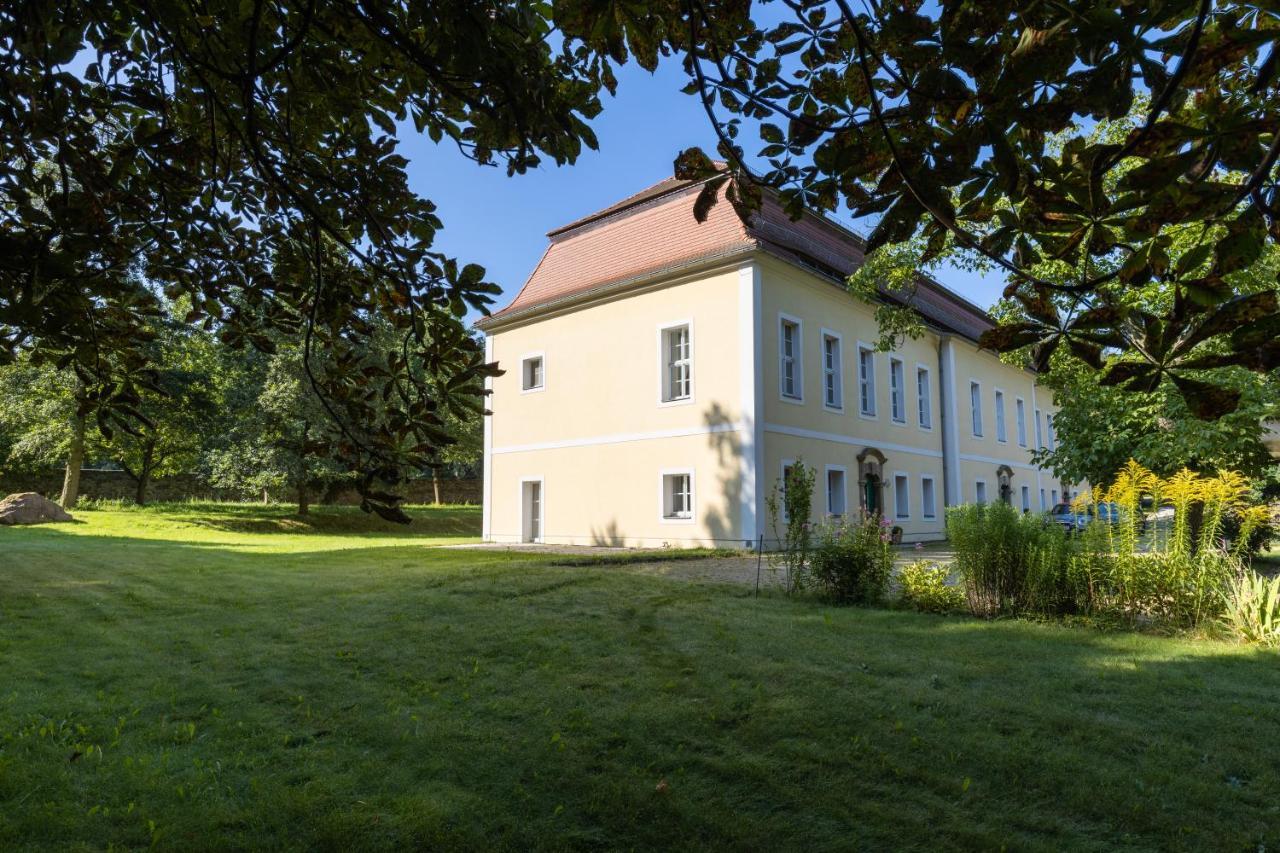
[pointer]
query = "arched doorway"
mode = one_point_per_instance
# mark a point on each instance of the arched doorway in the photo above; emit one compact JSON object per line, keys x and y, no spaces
{"x":1004,"y":476}
{"x":871,"y":480}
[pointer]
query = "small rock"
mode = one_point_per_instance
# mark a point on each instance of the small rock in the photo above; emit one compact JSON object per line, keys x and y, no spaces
{"x":31,"y":508}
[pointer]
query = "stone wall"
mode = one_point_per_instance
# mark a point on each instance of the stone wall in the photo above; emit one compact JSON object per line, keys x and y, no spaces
{"x":116,"y":485}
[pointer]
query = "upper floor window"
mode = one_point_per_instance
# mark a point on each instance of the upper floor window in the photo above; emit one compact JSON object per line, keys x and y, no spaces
{"x":975,"y":407}
{"x":832,"y":380}
{"x":677,"y":361}
{"x":531,"y":373}
{"x":1001,"y":434}
{"x":923,"y":404}
{"x":1022,"y":422}
{"x":1048,"y":429}
{"x":789,"y":350}
{"x":866,"y":381}
{"x":897,"y":390}
{"x":1039,"y":435}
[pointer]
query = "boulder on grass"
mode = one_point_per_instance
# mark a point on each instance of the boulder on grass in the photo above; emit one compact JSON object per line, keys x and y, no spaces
{"x":31,"y":508}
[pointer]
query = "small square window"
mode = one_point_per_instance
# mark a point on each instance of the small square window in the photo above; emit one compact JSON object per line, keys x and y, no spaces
{"x":531,"y":373}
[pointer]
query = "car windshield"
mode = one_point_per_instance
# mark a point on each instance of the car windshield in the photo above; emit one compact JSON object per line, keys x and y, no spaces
{"x":1062,"y":509}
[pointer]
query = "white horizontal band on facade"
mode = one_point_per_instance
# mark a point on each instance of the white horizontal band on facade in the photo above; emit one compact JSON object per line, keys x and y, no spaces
{"x":798,"y":432}
{"x":992,"y":460}
{"x":620,"y":438}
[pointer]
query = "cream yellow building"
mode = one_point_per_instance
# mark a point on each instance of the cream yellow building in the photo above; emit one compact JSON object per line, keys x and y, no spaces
{"x":661,"y":374}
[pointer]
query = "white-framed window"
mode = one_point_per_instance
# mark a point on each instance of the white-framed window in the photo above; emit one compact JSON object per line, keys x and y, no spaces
{"x":975,"y":407}
{"x":1048,"y":430}
{"x":837,"y":496}
{"x":677,"y":495}
{"x":924,"y":404}
{"x":1039,"y":434}
{"x":1043,"y":505}
{"x":1026,"y":499}
{"x":901,"y":496}
{"x":1053,"y":496}
{"x":928,"y":502}
{"x":897,"y":390}
{"x":532,"y":377}
{"x":1002,"y":434}
{"x":676,"y":343}
{"x":790,"y":358}
{"x":832,"y":371}
{"x":1021,"y":409}
{"x":866,"y":381}
{"x":980,"y":491}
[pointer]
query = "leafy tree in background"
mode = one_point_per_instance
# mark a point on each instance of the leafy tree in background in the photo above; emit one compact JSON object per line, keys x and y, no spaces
{"x":175,"y":413}
{"x":969,"y":124}
{"x":40,"y":424}
{"x":1104,"y":427}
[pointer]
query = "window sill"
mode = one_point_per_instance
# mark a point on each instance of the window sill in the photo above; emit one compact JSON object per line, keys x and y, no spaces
{"x":666,"y":519}
{"x":795,"y":401}
{"x":679,"y":401}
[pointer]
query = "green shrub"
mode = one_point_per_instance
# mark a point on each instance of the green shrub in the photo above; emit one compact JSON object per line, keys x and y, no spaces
{"x":1252,"y":608}
{"x":924,"y":587}
{"x":790,"y":504}
{"x":1011,"y":562}
{"x":851,"y":560}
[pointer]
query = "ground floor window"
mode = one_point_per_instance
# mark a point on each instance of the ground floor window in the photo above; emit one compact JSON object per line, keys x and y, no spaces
{"x":901,"y":496}
{"x":677,"y":495}
{"x":980,"y":492}
{"x":1042,"y":503}
{"x":928,"y":503}
{"x":1026,"y":499}
{"x":836,"y":491}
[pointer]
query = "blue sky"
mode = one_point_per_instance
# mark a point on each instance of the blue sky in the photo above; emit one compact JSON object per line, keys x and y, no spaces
{"x":501,"y":222}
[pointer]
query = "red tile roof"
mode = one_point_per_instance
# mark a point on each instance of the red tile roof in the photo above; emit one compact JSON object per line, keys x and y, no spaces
{"x":654,"y":232}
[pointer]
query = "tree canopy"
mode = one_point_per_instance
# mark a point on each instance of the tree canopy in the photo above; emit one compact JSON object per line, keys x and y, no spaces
{"x":241,"y":157}
{"x":971,"y":124}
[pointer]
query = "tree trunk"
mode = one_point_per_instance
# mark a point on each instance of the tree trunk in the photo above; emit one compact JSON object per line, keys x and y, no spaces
{"x":304,"y":499}
{"x":266,"y":496}
{"x":75,"y":461}
{"x":435,"y":484}
{"x":143,"y":479}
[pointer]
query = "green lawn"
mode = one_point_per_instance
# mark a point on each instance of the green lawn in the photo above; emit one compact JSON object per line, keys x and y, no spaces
{"x":227,"y":678}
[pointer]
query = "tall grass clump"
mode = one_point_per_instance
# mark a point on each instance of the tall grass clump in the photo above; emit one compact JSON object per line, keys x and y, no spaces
{"x":1010,"y":562}
{"x":1180,"y":574}
{"x":1252,"y":608}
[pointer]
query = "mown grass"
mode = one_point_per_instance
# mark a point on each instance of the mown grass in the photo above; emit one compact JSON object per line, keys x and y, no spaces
{"x":179,"y":681}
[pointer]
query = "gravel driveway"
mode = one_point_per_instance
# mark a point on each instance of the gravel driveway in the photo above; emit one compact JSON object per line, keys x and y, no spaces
{"x":711,"y":569}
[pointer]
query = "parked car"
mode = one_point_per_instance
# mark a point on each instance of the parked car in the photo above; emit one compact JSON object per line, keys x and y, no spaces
{"x":1074,"y":522}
